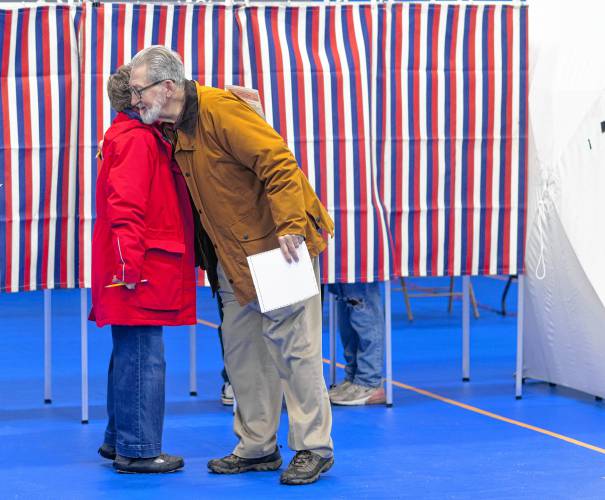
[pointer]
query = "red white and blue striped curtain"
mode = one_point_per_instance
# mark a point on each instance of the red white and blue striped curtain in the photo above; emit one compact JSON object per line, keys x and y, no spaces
{"x":451,"y":136}
{"x":38,"y":133}
{"x":410,"y":121}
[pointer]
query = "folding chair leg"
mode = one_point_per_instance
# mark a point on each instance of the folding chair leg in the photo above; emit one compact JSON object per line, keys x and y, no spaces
{"x":450,"y":301}
{"x":406,"y":298}
{"x":473,"y":300}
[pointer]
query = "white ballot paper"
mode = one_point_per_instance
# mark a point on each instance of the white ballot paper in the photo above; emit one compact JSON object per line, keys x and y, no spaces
{"x":279,"y":283}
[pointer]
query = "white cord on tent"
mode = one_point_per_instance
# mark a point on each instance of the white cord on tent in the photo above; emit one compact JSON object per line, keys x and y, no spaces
{"x":544,"y":203}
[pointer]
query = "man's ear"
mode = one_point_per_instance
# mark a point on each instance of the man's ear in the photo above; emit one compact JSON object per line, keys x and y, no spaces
{"x":171,"y":86}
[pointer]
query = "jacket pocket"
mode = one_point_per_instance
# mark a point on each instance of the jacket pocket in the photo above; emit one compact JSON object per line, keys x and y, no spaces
{"x":163,"y":270}
{"x":255,"y":233}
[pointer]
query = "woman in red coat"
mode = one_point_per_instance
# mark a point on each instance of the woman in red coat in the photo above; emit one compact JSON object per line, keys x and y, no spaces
{"x":143,"y":277}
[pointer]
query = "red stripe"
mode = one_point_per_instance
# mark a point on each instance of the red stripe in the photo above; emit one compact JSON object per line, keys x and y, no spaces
{"x":380,"y":156}
{"x":453,"y":143}
{"x":143,"y":20}
{"x":162,"y":24}
{"x":508,"y":144}
{"x":321,"y":90}
{"x":361,"y":135}
{"x":416,"y":10}
{"x":341,"y":168}
{"x":279,"y":73}
{"x":221,"y":46}
{"x":435,"y":142}
{"x":489,"y":163}
{"x":27,"y":146}
{"x":181,"y":31}
{"x":401,"y":101}
{"x":66,"y":145}
{"x":81,"y":151}
{"x":48,"y":115}
{"x":259,"y":58}
{"x":119,"y":36}
{"x":6,"y":151}
{"x":302,"y":103}
{"x":470,"y":188}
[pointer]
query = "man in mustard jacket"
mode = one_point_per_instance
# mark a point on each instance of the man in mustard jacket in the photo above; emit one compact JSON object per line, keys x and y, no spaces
{"x":250,"y":197}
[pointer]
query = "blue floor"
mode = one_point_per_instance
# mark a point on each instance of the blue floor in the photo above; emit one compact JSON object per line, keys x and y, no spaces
{"x":422,"y":448}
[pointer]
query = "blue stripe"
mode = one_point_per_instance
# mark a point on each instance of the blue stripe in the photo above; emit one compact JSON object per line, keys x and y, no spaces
{"x":466,"y":244}
{"x":449,"y":167}
{"x":64,"y":134}
{"x":430,"y":139}
{"x":504,"y":141}
{"x":95,"y":67}
{"x":339,"y":211}
{"x":356,"y":140}
{"x":251,"y":48}
{"x":395,"y":212}
{"x":195,"y":42}
{"x":237,"y":74}
{"x":216,"y":55}
{"x":522,"y":136}
{"x":155,"y":34}
{"x":19,"y":78}
{"x":116,"y":29}
{"x":43,"y":145}
{"x":294,"y":76}
{"x":273,"y":72}
{"x":483,"y":259}
{"x":4,"y":26}
{"x":178,"y":12}
{"x":411,"y":120}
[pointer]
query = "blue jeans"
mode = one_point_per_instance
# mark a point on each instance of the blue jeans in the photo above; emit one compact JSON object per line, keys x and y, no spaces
{"x":135,"y":391}
{"x":360,"y":312}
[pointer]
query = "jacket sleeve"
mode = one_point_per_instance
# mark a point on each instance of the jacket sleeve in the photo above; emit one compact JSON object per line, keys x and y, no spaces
{"x":256,"y":145}
{"x":129,"y":179}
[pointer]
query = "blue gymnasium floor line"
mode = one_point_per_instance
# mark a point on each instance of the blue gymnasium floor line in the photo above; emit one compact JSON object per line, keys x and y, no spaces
{"x":420,"y":448}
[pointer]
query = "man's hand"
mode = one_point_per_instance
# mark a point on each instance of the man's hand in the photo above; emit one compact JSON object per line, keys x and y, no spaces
{"x":288,"y":244}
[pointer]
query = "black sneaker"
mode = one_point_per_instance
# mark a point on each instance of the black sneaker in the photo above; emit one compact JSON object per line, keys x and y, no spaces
{"x":107,"y":451}
{"x":155,"y":465}
{"x":305,"y":468}
{"x":232,"y":464}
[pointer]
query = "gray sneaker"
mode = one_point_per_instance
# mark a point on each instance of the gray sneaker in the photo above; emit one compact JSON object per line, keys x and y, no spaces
{"x":356,"y":395}
{"x":305,"y":468}
{"x":339,"y":389}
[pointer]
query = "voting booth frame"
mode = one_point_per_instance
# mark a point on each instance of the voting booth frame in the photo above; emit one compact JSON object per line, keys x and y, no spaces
{"x":415,"y":188}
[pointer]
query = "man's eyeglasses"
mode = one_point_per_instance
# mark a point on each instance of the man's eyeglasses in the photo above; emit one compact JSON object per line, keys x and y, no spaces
{"x":139,"y":92}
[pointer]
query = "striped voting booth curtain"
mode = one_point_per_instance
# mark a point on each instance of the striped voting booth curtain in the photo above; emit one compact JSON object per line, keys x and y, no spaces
{"x":410,"y":121}
{"x":451,"y":136}
{"x":38,"y":133}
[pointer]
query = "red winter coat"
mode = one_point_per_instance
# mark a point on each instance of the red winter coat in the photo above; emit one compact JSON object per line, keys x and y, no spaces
{"x":143,"y":231}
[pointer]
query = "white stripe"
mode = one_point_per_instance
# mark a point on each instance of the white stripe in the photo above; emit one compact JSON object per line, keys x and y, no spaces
{"x":55,"y":132}
{"x":459,"y":75}
{"x":87,"y":164}
{"x":348,"y":159}
{"x":73,"y":161}
{"x":478,"y":167}
{"x":287,"y":82}
{"x":208,"y":45}
{"x":169,"y":22}
{"x":441,"y":144}
{"x":128,"y":29}
{"x":329,"y":136}
{"x":149,"y":13}
{"x":35,"y":105}
{"x":405,"y":139}
{"x":367,"y":145}
{"x":515,"y":266}
{"x":14,"y":143}
{"x":228,"y":45}
{"x":308,"y":103}
{"x":496,"y":134}
{"x":422,"y":119}
{"x":243,"y":17}
{"x":187,"y":47}
{"x":265,"y":65}
{"x":108,"y":41}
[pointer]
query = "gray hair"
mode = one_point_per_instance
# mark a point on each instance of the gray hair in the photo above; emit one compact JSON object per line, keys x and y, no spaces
{"x":162,"y":64}
{"x":118,"y":89}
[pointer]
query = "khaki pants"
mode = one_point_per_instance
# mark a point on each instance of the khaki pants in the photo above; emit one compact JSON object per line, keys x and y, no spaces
{"x":269,"y":356}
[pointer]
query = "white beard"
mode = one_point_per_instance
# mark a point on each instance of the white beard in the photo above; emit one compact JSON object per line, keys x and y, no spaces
{"x":151,"y":115}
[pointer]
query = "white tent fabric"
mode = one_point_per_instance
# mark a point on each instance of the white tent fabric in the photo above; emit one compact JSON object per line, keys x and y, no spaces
{"x":565,"y":286}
